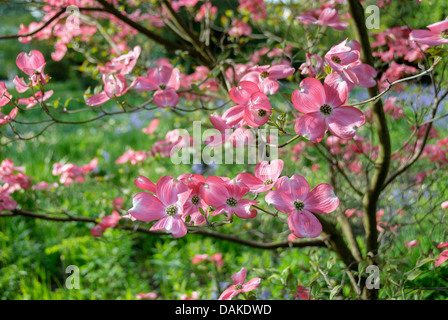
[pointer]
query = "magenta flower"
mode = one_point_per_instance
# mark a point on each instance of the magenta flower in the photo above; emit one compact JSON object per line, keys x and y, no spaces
{"x":327,"y":17}
{"x":266,"y":77}
{"x":266,"y":175}
{"x":234,"y":133}
{"x":292,"y":196}
{"x":239,"y":285}
{"x":165,"y":81}
{"x":226,"y":197}
{"x":196,"y":200}
{"x":312,"y":66}
{"x":114,"y":86}
{"x":322,"y":108}
{"x":436,"y":35}
{"x":166,"y":206}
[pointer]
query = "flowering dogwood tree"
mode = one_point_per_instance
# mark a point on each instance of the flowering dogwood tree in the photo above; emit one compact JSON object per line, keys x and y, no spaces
{"x":284,"y":79}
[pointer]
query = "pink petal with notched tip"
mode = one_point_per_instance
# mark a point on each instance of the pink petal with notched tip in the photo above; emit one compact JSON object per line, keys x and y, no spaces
{"x":365,"y":74}
{"x":30,"y":63}
{"x":269,"y":171}
{"x":218,"y":122}
{"x":243,"y":210}
{"x":311,"y":126}
{"x":321,"y":199}
{"x":438,"y":27}
{"x":20,"y":85}
{"x":336,"y":90}
{"x":145,"y":184}
{"x":304,"y":224}
{"x":280,"y":71}
{"x":144,"y":84}
{"x":296,"y":186}
{"x":146,"y":207}
{"x":309,"y":97}
{"x":229,"y":293}
{"x":269,"y":86}
{"x":344,"y":120}
{"x":97,"y":99}
{"x":242,"y":93}
{"x":249,"y":180}
{"x":252,"y":284}
{"x":234,"y":115}
{"x":171,"y":224}
{"x":427,"y":37}
{"x":166,"y":98}
{"x":214,"y":193}
{"x":240,"y":276}
{"x":168,"y":189}
{"x":281,"y":201}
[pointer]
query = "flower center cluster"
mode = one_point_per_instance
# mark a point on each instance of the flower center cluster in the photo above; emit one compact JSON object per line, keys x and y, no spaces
{"x":299,"y":205}
{"x":336,"y":59}
{"x":195,"y":200}
{"x":326,"y":109}
{"x":269,"y":181}
{"x":264,"y":74}
{"x":444,"y":34}
{"x":231,"y":202}
{"x":262,"y":113}
{"x":238,"y":286}
{"x":171,"y":210}
{"x":162,"y":86}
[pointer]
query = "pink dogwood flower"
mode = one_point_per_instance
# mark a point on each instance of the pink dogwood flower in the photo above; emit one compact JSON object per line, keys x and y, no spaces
{"x":436,"y":35}
{"x":293,"y":196}
{"x":237,"y":135}
{"x":239,"y":285}
{"x":166,"y":206}
{"x":327,"y":17}
{"x":412,"y":243}
{"x":165,"y":81}
{"x":266,"y":77}
{"x":323,"y":108}
{"x":33,"y":64}
{"x":228,"y":198}
{"x":114,"y":86}
{"x":266,"y":175}
{"x":240,"y":28}
{"x":148,"y":296}
{"x":444,"y":205}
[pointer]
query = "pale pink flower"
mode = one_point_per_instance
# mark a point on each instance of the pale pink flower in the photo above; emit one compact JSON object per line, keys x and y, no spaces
{"x":442,"y":258}
{"x":165,"y":81}
{"x":206,"y":10}
{"x":114,"y":86}
{"x":323,"y":108}
{"x":199,"y":258}
{"x":5,"y":97}
{"x":239,"y":285}
{"x":293,"y":196}
{"x":4,"y":119}
{"x":194,"y":296}
{"x":166,"y":206}
{"x":228,"y":198}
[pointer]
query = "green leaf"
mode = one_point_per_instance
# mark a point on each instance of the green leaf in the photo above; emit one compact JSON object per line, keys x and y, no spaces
{"x":335,"y":291}
{"x":275,"y":279}
{"x":414,"y":274}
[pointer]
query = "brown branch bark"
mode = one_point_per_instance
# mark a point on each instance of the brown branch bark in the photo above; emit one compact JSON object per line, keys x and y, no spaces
{"x":145,"y":230}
